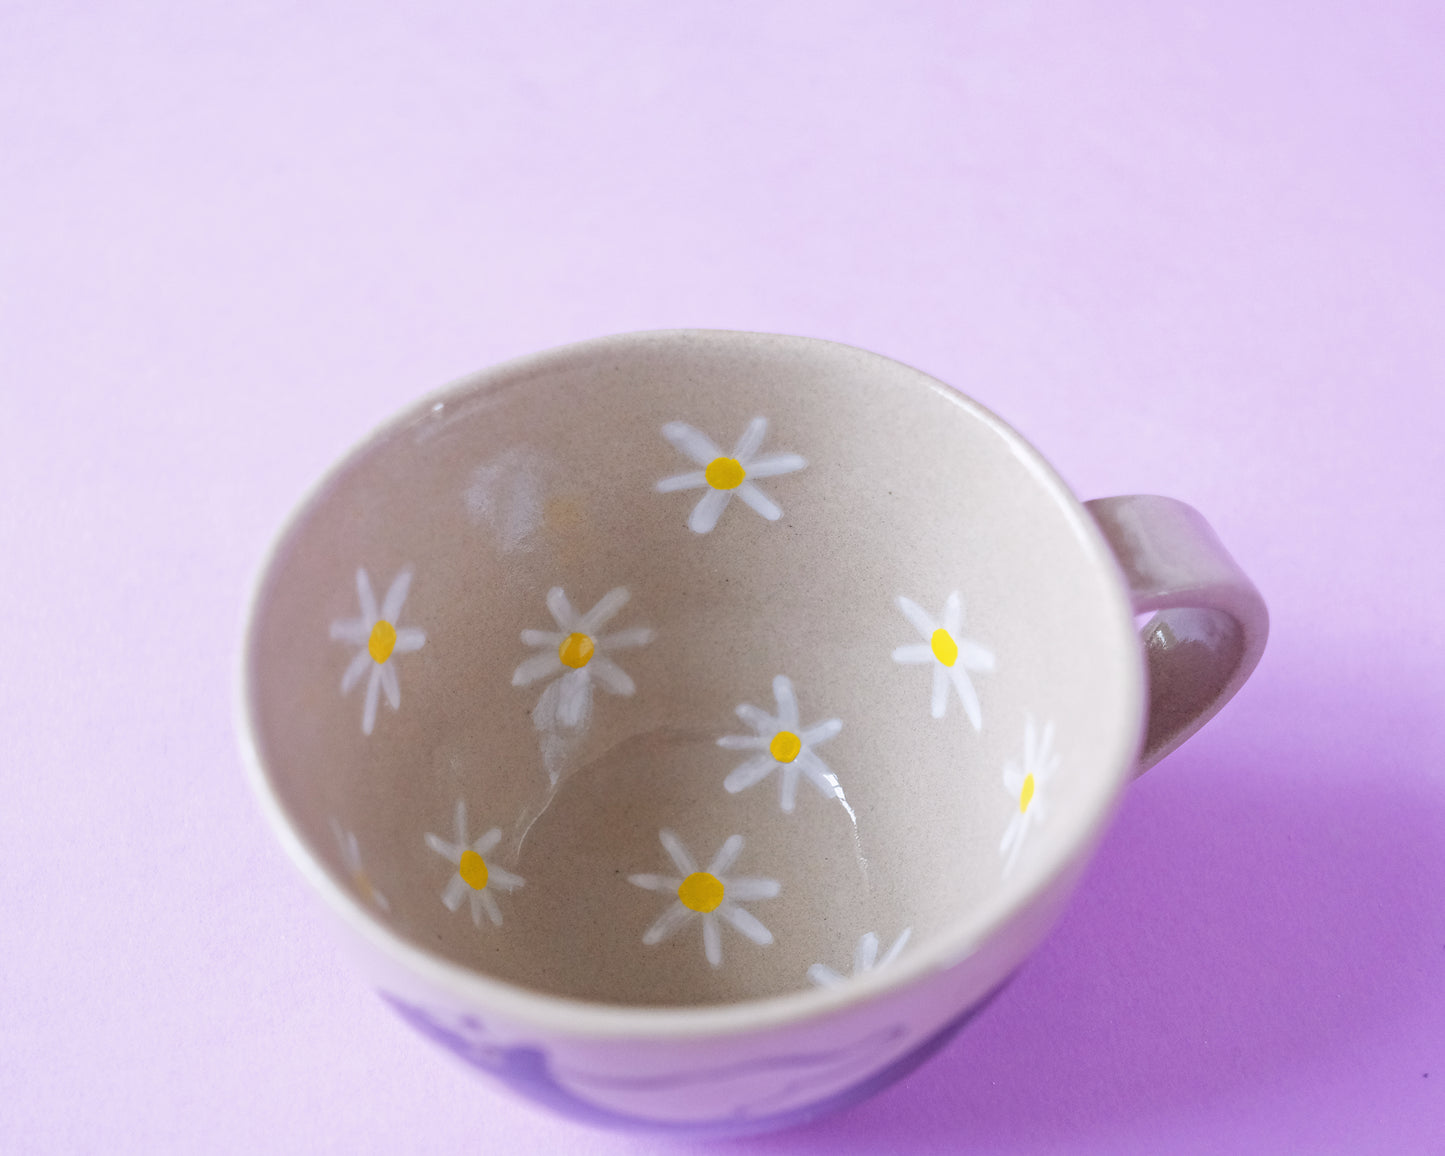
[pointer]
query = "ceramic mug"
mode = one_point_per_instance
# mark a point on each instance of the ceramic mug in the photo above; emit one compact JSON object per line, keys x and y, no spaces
{"x":693,"y":729}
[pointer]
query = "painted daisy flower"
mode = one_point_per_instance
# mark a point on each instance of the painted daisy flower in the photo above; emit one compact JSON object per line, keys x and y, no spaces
{"x":380,"y":640}
{"x":475,"y":877}
{"x":711,"y":894}
{"x":1027,"y":786}
{"x":781,"y":742}
{"x":952,"y":656}
{"x":725,"y":476}
{"x":575,"y":652}
{"x":865,"y":958}
{"x":355,"y":872}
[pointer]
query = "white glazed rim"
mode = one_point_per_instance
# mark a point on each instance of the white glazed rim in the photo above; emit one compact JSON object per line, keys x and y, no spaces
{"x":561,"y":1015}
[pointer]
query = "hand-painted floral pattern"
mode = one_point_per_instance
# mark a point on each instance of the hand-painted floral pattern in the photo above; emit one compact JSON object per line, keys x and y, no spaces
{"x":723,"y":476}
{"x":580,"y":656}
{"x":1028,"y":788}
{"x":355,"y":871}
{"x":711,"y":894}
{"x":865,"y":958}
{"x":476,"y":878}
{"x":380,"y":640}
{"x":951,"y":655}
{"x":781,"y":743}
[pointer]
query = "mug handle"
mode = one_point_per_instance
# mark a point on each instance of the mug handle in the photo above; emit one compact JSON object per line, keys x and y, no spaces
{"x":1211,"y":623}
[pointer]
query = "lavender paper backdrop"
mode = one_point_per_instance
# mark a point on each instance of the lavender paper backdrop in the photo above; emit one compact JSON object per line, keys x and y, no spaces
{"x":1196,"y":250}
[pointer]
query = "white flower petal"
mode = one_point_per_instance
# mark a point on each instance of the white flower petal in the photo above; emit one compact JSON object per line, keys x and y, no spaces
{"x":575,"y":701}
{"x":666,"y":923}
{"x":686,"y":440}
{"x":755,"y":770}
{"x":356,"y":631}
{"x":788,"y":793}
{"x":391,"y":685}
{"x":757,"y":718}
{"x":539,"y":666}
{"x":973,"y":656}
{"x":544,"y":714}
{"x":457,"y":889}
{"x":408,"y":640}
{"x":1017,"y":847}
{"x":484,"y":845}
{"x":744,"y":742}
{"x":747,"y":888}
{"x":1011,"y":833}
{"x":627,"y":639}
{"x":501,"y":877}
{"x":373,"y":691}
{"x":656,"y":882}
{"x":449,"y":851}
{"x":548,"y":638}
{"x":677,"y":852}
{"x":494,"y":913}
{"x":605,"y":610}
{"x":365,"y":596}
{"x":561,"y":609}
{"x":727,"y":855}
{"x":682,"y":482}
{"x":966,"y":695}
{"x":919,"y":618}
{"x":751,"y":439}
{"x":866,"y":953}
{"x":819,"y":774}
{"x":459,"y":821}
{"x":953,"y":613}
{"x":759,"y":501}
{"x":914,"y":653}
{"x":897,"y":948}
{"x":612,"y":677}
{"x":1013,"y":778}
{"x":355,"y":669}
{"x":708,"y":510}
{"x":396,"y":596}
{"x":772,"y":465}
{"x":821,"y":732}
{"x":940,"y":690}
{"x":824,"y":976}
{"x":747,"y":923}
{"x":787,"y":700}
{"x":711,"y":940}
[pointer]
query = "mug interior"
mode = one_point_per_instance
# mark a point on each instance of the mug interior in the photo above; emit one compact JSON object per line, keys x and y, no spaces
{"x":492,"y":658}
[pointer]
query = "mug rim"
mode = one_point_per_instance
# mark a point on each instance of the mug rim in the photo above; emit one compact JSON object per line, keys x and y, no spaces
{"x":581,"y":1018}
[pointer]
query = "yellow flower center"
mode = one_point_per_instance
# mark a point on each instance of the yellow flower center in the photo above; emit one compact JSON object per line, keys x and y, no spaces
{"x":785,"y":746}
{"x":1026,"y":796}
{"x":944,"y":648}
{"x":473,"y":870}
{"x":701,"y":891}
{"x":725,"y":473}
{"x":576,"y":651}
{"x":383,"y":638}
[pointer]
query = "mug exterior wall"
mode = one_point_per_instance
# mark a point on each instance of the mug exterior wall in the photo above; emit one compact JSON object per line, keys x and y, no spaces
{"x":719,"y":1085}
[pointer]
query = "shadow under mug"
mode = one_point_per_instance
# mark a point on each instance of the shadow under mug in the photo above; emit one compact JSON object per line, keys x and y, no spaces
{"x":693,"y":729}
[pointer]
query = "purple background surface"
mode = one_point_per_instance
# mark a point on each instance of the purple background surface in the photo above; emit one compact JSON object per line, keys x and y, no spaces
{"x":1198,"y":253}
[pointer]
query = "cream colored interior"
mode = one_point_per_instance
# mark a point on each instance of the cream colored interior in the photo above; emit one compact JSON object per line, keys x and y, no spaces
{"x":543,"y":474}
